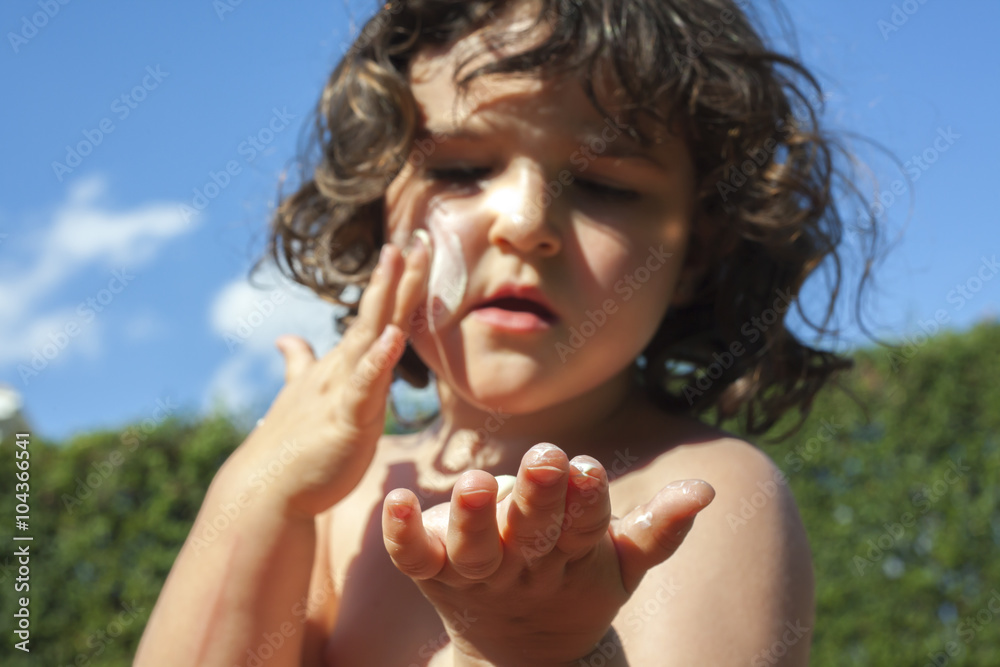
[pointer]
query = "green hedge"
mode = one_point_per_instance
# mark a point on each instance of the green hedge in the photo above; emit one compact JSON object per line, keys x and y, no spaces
{"x":897,"y":487}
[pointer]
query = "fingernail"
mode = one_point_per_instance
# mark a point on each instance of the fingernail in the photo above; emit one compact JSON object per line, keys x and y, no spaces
{"x":417,"y":238}
{"x":382,"y":255}
{"x":538,"y":452}
{"x":538,"y":469}
{"x":400,"y":511}
{"x":585,"y":474}
{"x":586,"y":482}
{"x":544,"y":475}
{"x":477,"y":498}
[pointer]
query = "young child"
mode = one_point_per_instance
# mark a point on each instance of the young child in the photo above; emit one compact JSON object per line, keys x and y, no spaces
{"x":590,"y":219}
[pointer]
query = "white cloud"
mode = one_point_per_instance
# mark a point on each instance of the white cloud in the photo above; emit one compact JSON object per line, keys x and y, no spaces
{"x":145,"y":326}
{"x":249,"y":319}
{"x":83,"y":235}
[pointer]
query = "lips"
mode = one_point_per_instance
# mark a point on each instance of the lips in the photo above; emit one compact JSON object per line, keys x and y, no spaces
{"x":520,"y":299}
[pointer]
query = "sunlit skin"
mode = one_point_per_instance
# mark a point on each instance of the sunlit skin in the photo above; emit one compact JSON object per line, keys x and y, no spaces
{"x":494,"y":151}
{"x":618,"y":521}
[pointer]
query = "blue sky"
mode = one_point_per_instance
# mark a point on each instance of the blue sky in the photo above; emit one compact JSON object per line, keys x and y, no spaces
{"x":139,"y":310}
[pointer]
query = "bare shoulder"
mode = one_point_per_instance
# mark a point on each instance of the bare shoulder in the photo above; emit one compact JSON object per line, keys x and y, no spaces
{"x":741,"y":584}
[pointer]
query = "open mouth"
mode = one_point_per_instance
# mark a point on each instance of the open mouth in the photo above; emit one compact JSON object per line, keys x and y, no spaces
{"x":520,"y":305}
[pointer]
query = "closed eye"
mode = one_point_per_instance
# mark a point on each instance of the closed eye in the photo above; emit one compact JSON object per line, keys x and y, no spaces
{"x":464,"y":176}
{"x":604,"y":191}
{"x":459,"y":175}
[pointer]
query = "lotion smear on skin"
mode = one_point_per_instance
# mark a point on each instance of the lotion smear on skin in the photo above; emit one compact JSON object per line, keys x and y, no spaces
{"x":449,"y":277}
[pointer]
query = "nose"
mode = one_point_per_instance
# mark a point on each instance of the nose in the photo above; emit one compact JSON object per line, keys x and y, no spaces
{"x":521,"y":208}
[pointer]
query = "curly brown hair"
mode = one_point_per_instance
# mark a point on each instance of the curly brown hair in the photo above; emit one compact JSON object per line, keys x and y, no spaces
{"x":767,"y":172}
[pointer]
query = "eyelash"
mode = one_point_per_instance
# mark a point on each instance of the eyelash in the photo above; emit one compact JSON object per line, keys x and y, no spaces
{"x":469,"y":175}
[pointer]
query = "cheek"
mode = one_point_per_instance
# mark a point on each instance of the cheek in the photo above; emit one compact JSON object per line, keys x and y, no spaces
{"x":449,"y":269}
{"x":606,"y":258}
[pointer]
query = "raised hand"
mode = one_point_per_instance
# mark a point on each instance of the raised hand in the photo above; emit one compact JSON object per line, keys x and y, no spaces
{"x":327,"y":419}
{"x":545,"y":570}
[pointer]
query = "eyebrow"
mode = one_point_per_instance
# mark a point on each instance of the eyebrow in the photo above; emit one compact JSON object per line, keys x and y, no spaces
{"x":620,"y":146}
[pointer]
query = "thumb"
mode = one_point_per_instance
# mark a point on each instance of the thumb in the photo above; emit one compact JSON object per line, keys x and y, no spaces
{"x":651,"y":533}
{"x":297,"y":353}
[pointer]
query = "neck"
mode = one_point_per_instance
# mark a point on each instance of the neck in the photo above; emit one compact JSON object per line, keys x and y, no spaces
{"x":470,"y":436}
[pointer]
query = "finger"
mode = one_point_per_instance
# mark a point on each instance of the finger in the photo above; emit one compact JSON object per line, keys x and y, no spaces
{"x":537,"y":504}
{"x":473,"y":541}
{"x":588,"y":507}
{"x":412,"y":286}
{"x":651,"y":533}
{"x":298,"y":355}
{"x":375,"y":307}
{"x":373,"y":371}
{"x":415,"y":552}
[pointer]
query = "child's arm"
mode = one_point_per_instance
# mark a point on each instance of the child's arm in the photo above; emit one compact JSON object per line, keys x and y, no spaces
{"x":239,"y":580}
{"x":226,"y":598}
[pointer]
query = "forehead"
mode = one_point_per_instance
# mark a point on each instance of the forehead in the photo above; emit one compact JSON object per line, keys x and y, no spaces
{"x":434,"y":72}
{"x":561,"y":103}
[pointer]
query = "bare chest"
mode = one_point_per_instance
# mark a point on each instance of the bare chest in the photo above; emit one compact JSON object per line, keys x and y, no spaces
{"x":383,"y":619}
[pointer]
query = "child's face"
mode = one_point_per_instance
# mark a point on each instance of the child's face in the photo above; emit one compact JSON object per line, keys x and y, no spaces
{"x":522,"y":182}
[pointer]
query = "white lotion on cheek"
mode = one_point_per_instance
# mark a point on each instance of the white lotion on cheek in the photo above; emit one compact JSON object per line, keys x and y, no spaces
{"x":449,"y":277}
